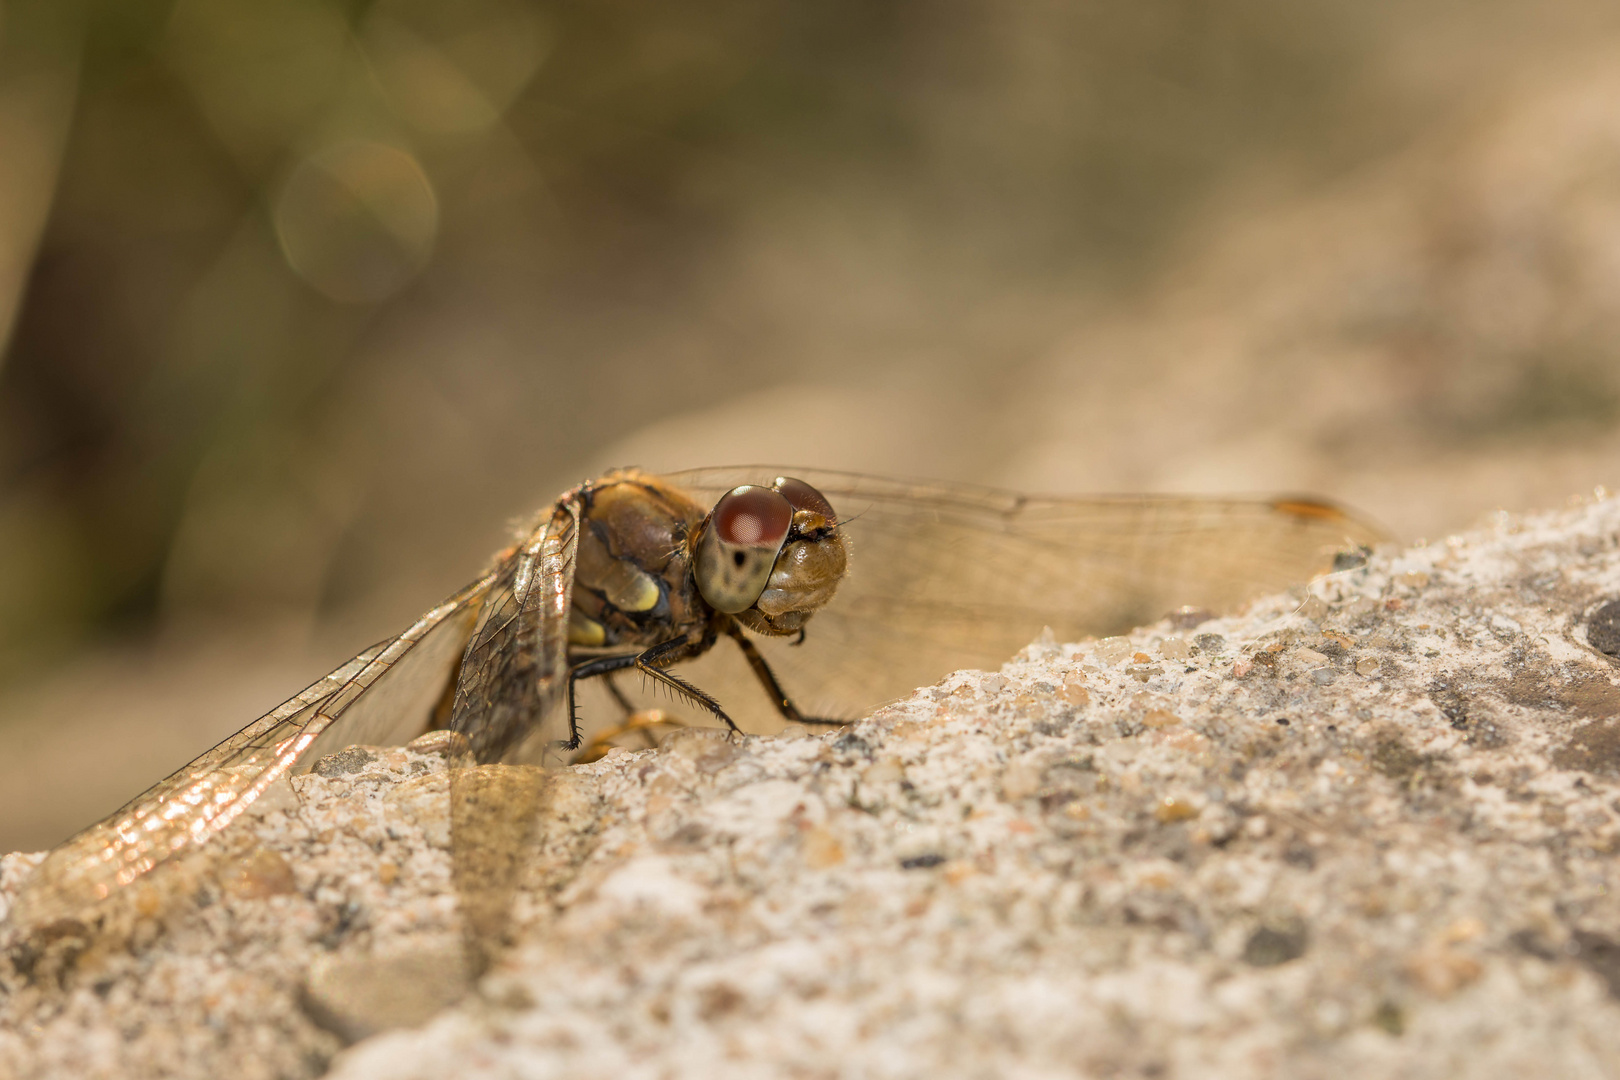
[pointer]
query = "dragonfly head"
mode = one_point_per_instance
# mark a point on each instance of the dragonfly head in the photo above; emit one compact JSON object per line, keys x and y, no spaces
{"x":770,"y":556}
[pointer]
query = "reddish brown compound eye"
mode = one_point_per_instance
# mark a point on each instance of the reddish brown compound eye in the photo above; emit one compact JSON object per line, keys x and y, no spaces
{"x":804,"y":497}
{"x":738,"y":546}
{"x":753,"y":517}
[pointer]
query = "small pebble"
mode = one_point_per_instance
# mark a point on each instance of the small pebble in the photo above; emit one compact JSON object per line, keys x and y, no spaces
{"x":263,"y":873}
{"x":1074,"y":692}
{"x":357,"y":997}
{"x":886,"y":771}
{"x":1020,"y":780}
{"x":1160,"y":718}
{"x":822,"y":849}
{"x":1111,"y":650}
{"x":1173,"y":808}
{"x":1269,"y":946}
{"x":1186,"y":618}
{"x":1603,"y":629}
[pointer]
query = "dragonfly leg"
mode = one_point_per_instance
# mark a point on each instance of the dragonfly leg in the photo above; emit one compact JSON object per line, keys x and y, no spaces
{"x":602,"y":665}
{"x":651,"y":664}
{"x":767,"y":679}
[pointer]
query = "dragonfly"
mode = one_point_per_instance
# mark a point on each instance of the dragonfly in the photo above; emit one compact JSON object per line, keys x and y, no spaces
{"x":759,"y":596}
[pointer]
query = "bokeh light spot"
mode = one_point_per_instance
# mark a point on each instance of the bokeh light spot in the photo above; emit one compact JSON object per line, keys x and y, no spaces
{"x":357,"y":221}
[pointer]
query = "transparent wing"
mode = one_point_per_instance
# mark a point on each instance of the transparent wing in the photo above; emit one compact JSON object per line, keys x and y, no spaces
{"x":945,"y":576}
{"x":354,"y":704}
{"x":515,"y":672}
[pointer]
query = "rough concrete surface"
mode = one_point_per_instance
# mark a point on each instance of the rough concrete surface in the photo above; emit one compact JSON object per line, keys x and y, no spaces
{"x":1367,"y":829}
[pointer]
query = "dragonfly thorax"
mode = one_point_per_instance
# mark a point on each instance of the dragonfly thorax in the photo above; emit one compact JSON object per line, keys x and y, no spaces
{"x":632,"y":580}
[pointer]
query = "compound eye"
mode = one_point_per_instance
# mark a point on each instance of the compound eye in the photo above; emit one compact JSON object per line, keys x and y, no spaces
{"x":752,"y":517}
{"x":739,"y":546}
{"x":804,"y":497}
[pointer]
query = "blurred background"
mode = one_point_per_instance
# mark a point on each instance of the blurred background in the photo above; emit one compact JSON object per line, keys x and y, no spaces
{"x":304,"y":302}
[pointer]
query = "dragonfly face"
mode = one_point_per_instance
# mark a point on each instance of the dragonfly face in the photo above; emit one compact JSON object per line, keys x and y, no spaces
{"x":633,"y":572}
{"x":771,"y":556}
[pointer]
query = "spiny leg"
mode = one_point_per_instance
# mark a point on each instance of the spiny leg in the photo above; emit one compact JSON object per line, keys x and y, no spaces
{"x":602,"y":665}
{"x":650,"y":664}
{"x":767,"y":678}
{"x":636,"y":719}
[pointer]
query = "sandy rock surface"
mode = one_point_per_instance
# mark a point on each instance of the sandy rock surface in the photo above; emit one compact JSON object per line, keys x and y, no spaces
{"x":1368,"y":829}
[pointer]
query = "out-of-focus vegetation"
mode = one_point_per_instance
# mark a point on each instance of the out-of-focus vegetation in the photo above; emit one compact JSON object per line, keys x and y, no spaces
{"x":321,"y":286}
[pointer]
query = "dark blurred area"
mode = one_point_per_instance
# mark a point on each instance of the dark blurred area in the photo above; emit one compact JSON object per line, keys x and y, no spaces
{"x":304,"y":302}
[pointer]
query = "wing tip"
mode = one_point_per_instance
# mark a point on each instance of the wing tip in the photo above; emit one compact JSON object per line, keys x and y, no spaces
{"x":1312,"y":509}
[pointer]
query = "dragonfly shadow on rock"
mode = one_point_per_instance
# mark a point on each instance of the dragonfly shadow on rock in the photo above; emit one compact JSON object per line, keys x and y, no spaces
{"x":741,"y":593}
{"x":494,"y":816}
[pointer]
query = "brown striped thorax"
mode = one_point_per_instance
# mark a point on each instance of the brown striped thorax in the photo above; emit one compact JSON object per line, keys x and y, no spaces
{"x":652,"y":564}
